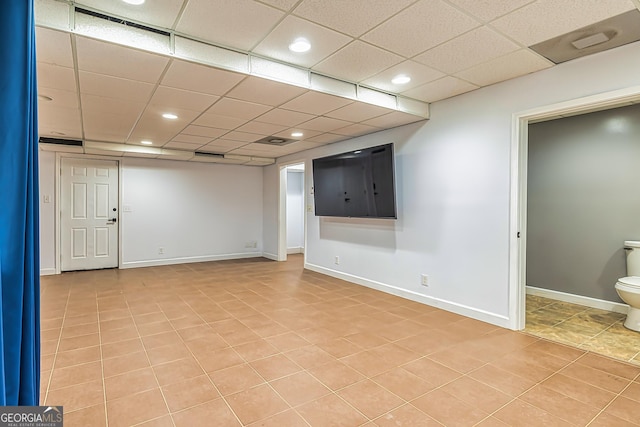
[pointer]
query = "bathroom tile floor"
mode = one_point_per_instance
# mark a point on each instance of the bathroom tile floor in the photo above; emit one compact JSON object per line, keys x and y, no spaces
{"x":587,"y":328}
{"x":262,"y":343}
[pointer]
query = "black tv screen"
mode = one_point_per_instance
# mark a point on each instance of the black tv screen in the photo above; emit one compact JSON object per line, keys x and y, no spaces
{"x":358,"y":184}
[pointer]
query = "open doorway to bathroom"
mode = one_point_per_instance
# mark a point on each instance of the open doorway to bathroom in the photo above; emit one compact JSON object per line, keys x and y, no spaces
{"x":581,"y":205}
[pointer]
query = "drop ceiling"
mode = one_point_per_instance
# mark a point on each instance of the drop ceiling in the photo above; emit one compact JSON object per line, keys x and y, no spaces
{"x":109,"y":84}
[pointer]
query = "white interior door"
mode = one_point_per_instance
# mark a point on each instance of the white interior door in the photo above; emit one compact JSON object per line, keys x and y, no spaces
{"x":89,"y":214}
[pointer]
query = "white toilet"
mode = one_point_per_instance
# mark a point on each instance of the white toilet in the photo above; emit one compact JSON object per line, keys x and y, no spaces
{"x":628,"y":288}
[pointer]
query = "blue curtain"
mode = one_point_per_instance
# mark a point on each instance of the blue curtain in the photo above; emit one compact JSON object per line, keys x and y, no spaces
{"x":19,"y":226}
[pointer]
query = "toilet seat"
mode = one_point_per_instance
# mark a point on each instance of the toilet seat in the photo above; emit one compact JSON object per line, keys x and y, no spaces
{"x":630,"y":282}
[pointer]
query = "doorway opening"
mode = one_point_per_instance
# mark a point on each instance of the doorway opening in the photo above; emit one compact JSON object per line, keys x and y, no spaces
{"x":291,"y":212}
{"x":519,"y":184}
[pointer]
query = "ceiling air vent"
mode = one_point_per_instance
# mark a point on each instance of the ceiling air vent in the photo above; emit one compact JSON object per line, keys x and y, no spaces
{"x":274,"y":140}
{"x":604,"y":35}
{"x":60,"y":141}
{"x":120,"y":21}
{"x":209,"y":155}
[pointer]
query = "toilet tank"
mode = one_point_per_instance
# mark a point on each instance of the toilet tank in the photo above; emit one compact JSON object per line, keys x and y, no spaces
{"x":632,"y":248}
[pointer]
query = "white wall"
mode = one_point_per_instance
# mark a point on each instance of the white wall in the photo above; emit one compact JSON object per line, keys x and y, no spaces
{"x":453,"y":192}
{"x":195,"y":211}
{"x":295,"y":210}
{"x":47,"y":164}
{"x":271,"y":195}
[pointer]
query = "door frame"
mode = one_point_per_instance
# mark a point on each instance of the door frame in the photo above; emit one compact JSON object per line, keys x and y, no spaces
{"x":518,"y":197}
{"x":58,"y":205}
{"x":282,"y":208}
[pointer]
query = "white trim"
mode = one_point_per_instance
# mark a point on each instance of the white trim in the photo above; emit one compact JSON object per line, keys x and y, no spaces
{"x":187,"y":260}
{"x":463,"y":310}
{"x":518,"y":197}
{"x":273,"y":257}
{"x":298,"y":250}
{"x":47,"y":271}
{"x":282,"y":213}
{"x":579,"y":299}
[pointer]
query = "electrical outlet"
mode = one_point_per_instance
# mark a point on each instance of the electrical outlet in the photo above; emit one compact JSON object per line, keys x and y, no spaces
{"x":337,"y":260}
{"x":424,"y":280}
{"x":46,"y":198}
{"x":251,"y":244}
{"x":161,"y":250}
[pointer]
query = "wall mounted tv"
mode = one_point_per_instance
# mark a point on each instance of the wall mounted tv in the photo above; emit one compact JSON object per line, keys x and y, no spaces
{"x":357,"y":184}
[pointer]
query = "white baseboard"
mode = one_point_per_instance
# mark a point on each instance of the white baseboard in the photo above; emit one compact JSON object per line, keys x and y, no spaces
{"x":474,"y":313}
{"x":577,"y":299}
{"x":295,"y":250}
{"x":273,"y":257}
{"x":186,"y":260}
{"x":47,"y":271}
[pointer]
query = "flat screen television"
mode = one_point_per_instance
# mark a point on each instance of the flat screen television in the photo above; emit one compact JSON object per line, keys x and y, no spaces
{"x":358,"y":184}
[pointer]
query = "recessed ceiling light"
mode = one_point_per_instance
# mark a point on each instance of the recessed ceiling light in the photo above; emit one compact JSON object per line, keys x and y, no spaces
{"x":300,"y":45}
{"x":134,"y":2}
{"x":146,"y":142}
{"x":296,"y":134}
{"x":45,"y":98}
{"x":169,"y":116}
{"x":401,"y":79}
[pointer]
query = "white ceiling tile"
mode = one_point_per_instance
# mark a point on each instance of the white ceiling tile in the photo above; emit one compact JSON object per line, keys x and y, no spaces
{"x":261,"y":128}
{"x":182,"y":145}
{"x":323,"y":41}
{"x":53,"y":76}
{"x":316,"y":103}
{"x":114,"y":87}
{"x":327,"y":138}
{"x":244,"y":136}
{"x":264,"y":91}
{"x":296,"y":147}
{"x":391,"y":120}
{"x":238,"y":109}
{"x":470,"y":49}
{"x":285,"y":5}
{"x":204,"y":131}
{"x":118,"y":61}
{"x":171,"y":98}
{"x":200,"y":78}
{"x":218,"y":121}
{"x":54,"y":47}
{"x":545,"y":19}
{"x":143,"y":155}
{"x":234,"y":23}
{"x":191,"y":139}
{"x":161,"y":13}
{"x":445,"y":87}
{"x":102,"y":104}
{"x":357,"y":112}
{"x":222,"y":145}
{"x":353,"y":17}
{"x":357,"y":61}
{"x":324,"y":124}
{"x":488,"y":10}
{"x":56,"y":120}
{"x":420,"y":74}
{"x":60,"y":98}
{"x":108,"y":127}
{"x":420,"y":27}
{"x":279,"y":116}
{"x":506,"y":67}
{"x":356,"y":129}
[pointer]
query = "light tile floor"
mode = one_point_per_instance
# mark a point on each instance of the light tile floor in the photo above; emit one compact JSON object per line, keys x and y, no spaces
{"x":588,"y":328}
{"x":261,"y":343}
